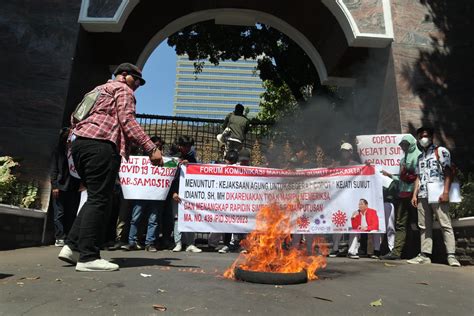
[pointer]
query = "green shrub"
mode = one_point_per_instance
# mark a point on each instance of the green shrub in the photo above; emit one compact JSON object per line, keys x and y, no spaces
{"x":7,"y":179}
{"x":14,"y":191}
{"x":466,"y":207}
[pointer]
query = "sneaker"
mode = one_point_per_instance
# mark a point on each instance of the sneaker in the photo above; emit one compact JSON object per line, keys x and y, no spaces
{"x":420,"y":259}
{"x":352,"y":256}
{"x":178,"y":247}
{"x":130,"y":247}
{"x":453,"y":262}
{"x":390,"y":256}
{"x":97,"y":265}
{"x":150,"y":248}
{"x":59,"y":243}
{"x":333,"y":254}
{"x":192,"y":248}
{"x":68,"y":255}
{"x":243,"y":251}
{"x":375,"y":255}
{"x":224,"y":249}
{"x":118,"y":245}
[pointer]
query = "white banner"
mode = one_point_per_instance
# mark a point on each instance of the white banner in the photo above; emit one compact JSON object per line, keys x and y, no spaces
{"x":226,"y":198}
{"x":140,"y":180}
{"x":381,"y":150}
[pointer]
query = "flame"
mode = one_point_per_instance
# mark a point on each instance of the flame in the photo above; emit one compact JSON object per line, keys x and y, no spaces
{"x":266,"y":246}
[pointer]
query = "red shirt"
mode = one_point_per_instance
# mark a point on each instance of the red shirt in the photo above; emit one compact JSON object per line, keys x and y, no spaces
{"x":113,"y":119}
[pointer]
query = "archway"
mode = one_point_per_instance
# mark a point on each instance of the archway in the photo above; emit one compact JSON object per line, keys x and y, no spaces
{"x":234,"y":17}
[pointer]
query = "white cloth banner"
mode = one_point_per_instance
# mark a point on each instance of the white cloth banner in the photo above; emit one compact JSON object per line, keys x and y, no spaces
{"x":226,"y":198}
{"x":140,"y":180}
{"x":381,"y":150}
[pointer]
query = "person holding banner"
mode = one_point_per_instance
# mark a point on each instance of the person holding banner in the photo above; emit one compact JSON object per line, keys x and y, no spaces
{"x":405,"y":182}
{"x":186,"y":155}
{"x":301,"y":161}
{"x":152,"y":209}
{"x":434,"y":166}
{"x":346,"y":159}
{"x":99,"y":139}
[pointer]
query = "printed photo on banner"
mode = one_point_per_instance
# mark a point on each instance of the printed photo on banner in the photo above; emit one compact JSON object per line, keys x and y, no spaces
{"x":381,"y":150}
{"x":140,"y":180}
{"x":223,"y":198}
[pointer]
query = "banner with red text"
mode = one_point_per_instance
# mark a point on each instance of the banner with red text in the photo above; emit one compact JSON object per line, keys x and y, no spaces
{"x":140,"y":180}
{"x":382,"y":150}
{"x":226,"y":198}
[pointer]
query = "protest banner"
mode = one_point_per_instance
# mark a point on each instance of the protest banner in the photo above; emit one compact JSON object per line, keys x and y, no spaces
{"x":382,"y":150}
{"x":140,"y":180}
{"x":223,"y":198}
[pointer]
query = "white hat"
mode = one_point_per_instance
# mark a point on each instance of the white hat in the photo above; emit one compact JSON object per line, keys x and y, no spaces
{"x":346,"y":146}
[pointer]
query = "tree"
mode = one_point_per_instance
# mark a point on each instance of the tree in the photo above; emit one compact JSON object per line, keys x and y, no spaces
{"x":280,"y":59}
{"x":277,"y":102}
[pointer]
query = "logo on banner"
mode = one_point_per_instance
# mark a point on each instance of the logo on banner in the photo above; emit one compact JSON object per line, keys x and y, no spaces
{"x":303,"y":222}
{"x":320,"y":220}
{"x":339,"y":218}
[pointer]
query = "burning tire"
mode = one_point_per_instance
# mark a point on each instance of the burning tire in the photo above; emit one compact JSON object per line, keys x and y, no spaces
{"x":271,"y":277}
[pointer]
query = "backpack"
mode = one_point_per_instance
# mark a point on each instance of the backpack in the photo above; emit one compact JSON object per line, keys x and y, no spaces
{"x":454,"y":168}
{"x":84,"y":108}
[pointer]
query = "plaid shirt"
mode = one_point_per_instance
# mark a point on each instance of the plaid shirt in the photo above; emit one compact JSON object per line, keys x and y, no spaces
{"x":113,"y":119}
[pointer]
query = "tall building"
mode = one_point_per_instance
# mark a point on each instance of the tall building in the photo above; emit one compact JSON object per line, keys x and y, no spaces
{"x":215,"y":91}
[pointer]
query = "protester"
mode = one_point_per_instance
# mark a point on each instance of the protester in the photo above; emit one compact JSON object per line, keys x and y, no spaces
{"x":244,"y":160}
{"x":230,"y":240}
{"x":301,"y":160}
{"x":98,"y":142}
{"x":346,"y":159}
{"x":152,"y":209}
{"x":186,"y":155}
{"x":236,"y":125}
{"x":65,"y":195}
{"x":434,"y":166}
{"x":405,"y":183}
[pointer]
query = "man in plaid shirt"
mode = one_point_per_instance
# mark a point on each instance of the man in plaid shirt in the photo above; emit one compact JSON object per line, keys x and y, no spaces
{"x":98,"y":143}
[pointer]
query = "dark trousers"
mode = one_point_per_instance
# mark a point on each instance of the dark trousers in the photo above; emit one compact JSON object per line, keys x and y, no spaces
{"x":97,"y":163}
{"x":65,"y":209}
{"x":405,"y":213}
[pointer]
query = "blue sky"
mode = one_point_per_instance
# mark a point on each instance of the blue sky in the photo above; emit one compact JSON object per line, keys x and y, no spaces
{"x":156,"y":97}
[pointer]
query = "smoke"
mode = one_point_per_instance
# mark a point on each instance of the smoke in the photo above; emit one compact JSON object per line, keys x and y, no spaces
{"x":327,"y":122}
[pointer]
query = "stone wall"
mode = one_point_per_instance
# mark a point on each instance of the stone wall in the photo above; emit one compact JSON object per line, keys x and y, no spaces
{"x":432,"y":54}
{"x":38,"y":40}
{"x":20,"y":228}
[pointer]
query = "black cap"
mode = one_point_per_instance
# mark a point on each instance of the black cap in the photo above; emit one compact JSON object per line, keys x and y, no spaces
{"x":130,"y":69}
{"x":427,"y":129}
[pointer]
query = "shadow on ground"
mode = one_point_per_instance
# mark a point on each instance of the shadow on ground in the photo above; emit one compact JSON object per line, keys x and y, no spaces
{"x":149,"y":262}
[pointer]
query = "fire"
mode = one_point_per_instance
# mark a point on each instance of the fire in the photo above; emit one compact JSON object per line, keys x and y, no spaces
{"x":266,"y":246}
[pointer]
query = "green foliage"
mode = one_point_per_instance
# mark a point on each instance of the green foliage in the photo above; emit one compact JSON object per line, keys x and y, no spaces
{"x":13,"y":191}
{"x":277,"y":102}
{"x":466,"y":207}
{"x":7,"y":179}
{"x":280,"y":59}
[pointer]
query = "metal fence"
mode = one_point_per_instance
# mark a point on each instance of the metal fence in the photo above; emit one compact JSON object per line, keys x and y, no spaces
{"x":203,"y":131}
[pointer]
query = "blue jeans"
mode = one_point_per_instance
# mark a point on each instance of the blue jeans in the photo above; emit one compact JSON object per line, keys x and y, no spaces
{"x":140,"y":208}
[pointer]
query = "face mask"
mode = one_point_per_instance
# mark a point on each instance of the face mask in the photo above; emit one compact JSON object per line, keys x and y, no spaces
{"x":425,"y":142}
